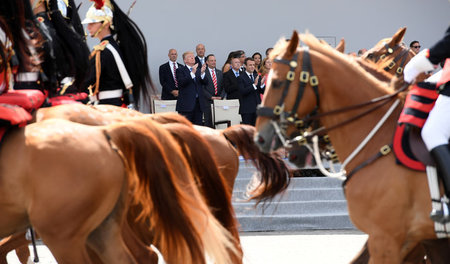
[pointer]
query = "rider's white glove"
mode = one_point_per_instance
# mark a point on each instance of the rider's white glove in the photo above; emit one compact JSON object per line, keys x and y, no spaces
{"x":417,"y":65}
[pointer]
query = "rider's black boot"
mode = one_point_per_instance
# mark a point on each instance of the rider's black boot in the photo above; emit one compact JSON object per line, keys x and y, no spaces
{"x":441,"y":155}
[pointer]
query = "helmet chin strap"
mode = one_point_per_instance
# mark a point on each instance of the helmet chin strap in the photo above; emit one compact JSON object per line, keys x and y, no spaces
{"x":100,"y":29}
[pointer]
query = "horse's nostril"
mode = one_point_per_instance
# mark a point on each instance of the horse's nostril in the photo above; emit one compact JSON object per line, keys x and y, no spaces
{"x":261,"y":140}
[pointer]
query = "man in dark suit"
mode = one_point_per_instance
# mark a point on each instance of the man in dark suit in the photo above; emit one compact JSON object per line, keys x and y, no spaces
{"x":167,"y":77}
{"x":250,"y":90}
{"x":230,"y":79}
{"x":213,"y":90}
{"x":190,"y":78}
{"x":200,"y":58}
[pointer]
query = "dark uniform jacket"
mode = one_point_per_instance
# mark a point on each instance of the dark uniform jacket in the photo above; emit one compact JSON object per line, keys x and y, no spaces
{"x":230,"y":84}
{"x":110,"y":78}
{"x":441,"y":51}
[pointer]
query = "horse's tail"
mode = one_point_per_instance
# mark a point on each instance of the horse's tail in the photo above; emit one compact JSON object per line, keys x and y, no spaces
{"x":273,"y":171}
{"x":162,"y":185}
{"x":208,"y":177}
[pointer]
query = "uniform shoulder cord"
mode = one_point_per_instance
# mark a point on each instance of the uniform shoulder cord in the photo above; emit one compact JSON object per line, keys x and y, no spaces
{"x":98,"y":66}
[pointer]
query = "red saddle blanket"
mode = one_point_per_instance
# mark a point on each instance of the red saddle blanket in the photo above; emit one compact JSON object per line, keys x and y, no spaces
{"x":67,"y":99}
{"x":408,"y":146}
{"x":30,"y":100}
{"x":14,"y":114}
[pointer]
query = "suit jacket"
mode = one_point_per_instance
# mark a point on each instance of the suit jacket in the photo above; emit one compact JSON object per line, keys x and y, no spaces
{"x":250,"y":98}
{"x":231,"y":85}
{"x":208,"y":89}
{"x":197,"y":60}
{"x":189,"y":89}
{"x":166,"y":80}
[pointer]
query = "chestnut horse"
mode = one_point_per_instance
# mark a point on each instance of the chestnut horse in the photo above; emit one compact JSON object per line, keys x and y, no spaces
{"x":436,"y":250}
{"x":387,"y":201}
{"x":76,"y":187}
{"x":390,"y":54}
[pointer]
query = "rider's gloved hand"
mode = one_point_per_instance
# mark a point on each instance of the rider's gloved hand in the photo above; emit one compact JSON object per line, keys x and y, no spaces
{"x":417,"y":65}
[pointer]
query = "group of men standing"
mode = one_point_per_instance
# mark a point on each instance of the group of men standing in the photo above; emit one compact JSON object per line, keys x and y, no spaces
{"x":198,"y":82}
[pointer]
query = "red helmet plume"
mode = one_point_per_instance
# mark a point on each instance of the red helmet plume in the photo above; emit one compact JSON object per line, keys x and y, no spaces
{"x":98,"y":3}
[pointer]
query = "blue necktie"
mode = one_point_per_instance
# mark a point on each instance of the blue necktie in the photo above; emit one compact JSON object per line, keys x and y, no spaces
{"x":237,"y":74}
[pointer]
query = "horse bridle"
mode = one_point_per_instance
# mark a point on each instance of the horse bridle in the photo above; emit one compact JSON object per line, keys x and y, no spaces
{"x":307,"y":76}
{"x":402,"y":55}
{"x":278,"y":113}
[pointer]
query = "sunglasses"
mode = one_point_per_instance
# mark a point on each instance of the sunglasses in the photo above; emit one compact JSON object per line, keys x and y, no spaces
{"x":417,"y":47}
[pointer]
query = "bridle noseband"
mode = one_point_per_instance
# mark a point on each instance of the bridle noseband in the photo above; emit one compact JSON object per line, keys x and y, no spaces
{"x":277,"y":113}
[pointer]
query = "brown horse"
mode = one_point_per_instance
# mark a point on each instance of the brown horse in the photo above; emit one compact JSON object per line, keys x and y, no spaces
{"x":226,"y":154}
{"x":393,"y":206}
{"x":438,"y":251}
{"x":74,"y":191}
{"x":216,"y":192}
{"x":390,"y":54}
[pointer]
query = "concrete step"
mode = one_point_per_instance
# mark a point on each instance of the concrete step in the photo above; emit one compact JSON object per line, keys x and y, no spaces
{"x":295,"y":222}
{"x":309,"y":182}
{"x":290,"y":208}
{"x":303,"y":194}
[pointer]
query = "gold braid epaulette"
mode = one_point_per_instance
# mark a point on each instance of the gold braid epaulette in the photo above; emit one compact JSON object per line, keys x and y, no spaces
{"x":98,"y":67}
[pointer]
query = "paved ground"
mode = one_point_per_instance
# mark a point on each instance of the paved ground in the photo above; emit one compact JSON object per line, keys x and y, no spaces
{"x":314,"y":247}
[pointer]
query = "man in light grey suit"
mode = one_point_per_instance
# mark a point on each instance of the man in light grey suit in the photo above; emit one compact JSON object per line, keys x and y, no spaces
{"x":214,"y":89}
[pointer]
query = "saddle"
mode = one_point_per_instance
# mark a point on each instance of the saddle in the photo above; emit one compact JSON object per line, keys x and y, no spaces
{"x":75,"y":98}
{"x":408,"y":145}
{"x":16,"y":107}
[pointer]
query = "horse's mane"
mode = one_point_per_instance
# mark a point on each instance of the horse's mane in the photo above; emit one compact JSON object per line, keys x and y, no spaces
{"x":381,"y":75}
{"x":314,"y":44}
{"x":278,"y":48}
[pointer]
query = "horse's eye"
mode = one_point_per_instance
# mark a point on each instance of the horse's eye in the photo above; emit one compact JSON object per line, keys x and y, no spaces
{"x":370,"y":56}
{"x":277,"y":83}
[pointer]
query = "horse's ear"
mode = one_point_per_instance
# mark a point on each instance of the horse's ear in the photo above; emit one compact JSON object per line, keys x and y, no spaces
{"x":398,"y":36}
{"x":341,"y":46}
{"x":293,"y":44}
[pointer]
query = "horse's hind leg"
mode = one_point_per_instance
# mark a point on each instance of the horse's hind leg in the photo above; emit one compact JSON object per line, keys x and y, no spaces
{"x":362,"y":257}
{"x":67,"y":250}
{"x":17,"y":242}
{"x":438,"y":251}
{"x":106,"y":240}
{"x":384,"y":249}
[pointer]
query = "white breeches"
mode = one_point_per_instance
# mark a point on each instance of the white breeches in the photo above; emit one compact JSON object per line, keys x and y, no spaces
{"x":436,"y":130}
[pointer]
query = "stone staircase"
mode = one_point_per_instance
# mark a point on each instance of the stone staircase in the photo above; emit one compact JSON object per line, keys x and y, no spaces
{"x":310,"y":203}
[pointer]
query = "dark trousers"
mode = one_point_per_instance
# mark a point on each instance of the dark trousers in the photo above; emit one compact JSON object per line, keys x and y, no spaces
{"x":249,"y":118}
{"x":196,"y":115}
{"x":207,"y":113}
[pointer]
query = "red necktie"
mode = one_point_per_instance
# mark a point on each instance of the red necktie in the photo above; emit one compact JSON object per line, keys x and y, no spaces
{"x":214,"y":81}
{"x":175,"y":75}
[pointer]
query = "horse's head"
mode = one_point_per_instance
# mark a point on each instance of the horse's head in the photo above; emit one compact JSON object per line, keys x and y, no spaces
{"x":277,"y":117}
{"x":390,"y":54}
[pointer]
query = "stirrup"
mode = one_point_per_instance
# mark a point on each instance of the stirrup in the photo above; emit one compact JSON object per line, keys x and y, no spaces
{"x":441,"y":216}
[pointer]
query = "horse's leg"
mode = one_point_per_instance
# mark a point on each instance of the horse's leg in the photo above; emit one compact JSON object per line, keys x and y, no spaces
{"x":17,"y":242}
{"x":387,"y":249}
{"x":106,"y":240}
{"x":141,"y":252}
{"x":437,"y":250}
{"x":362,"y":257}
{"x":23,"y":252}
